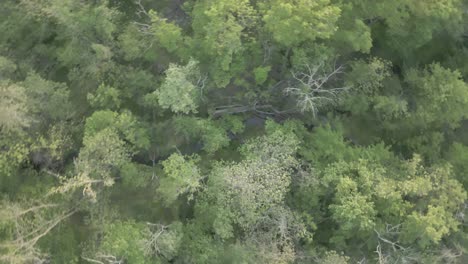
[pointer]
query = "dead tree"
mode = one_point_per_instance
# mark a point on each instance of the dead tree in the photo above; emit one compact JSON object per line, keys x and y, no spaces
{"x":312,"y":87}
{"x":30,"y":224}
{"x":389,"y":250}
{"x":151,"y":244}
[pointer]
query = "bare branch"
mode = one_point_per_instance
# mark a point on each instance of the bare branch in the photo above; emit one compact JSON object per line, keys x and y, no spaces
{"x":151,"y":246}
{"x":393,"y":244}
{"x":141,"y":9}
{"x":92,"y":260}
{"x":31,"y":225}
{"x":311,"y":90}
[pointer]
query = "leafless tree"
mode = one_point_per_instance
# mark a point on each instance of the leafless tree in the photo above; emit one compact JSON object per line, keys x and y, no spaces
{"x":31,"y":223}
{"x":389,"y":250}
{"x":312,"y":87}
{"x":151,"y":245}
{"x":451,"y":255}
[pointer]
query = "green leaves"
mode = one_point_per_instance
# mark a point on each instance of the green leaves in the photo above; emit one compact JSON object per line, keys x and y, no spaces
{"x":440,"y":95}
{"x":167,"y":34}
{"x":101,"y":152}
{"x":7,"y":68}
{"x":14,"y":110}
{"x":220,"y":28}
{"x":182,"y":88}
{"x":428,"y":228}
{"x":293,"y":22}
{"x":261,"y":74}
{"x":181,"y":177}
{"x":47,"y":99}
{"x":123,"y":241}
{"x":366,"y":195}
{"x":125,"y":124}
{"x":458,"y":157}
{"x":102,"y":155}
{"x":246,"y":190}
{"x":213,"y":135}
{"x":221,"y":131}
{"x":106,"y":97}
{"x":352,"y":207}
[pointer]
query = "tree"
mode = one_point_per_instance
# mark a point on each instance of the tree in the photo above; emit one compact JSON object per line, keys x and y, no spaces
{"x":7,"y":68}
{"x":182,"y":88}
{"x":220,"y":28}
{"x":250,"y":195}
{"x":105,"y":97}
{"x":437,"y":90}
{"x":181,"y":177}
{"x":48,"y":101}
{"x":367,"y":195}
{"x":25,"y":225}
{"x":213,"y":134}
{"x":308,"y":20}
{"x":167,"y":35}
{"x":125,"y":124}
{"x":164,"y":241}
{"x":457,"y":155}
{"x":122,"y":242}
{"x":14,"y":111}
{"x":353,"y":33}
{"x":15,"y":118}
{"x":220,"y":131}
{"x":310,"y":88}
{"x":424,"y":19}
{"x":102,"y":154}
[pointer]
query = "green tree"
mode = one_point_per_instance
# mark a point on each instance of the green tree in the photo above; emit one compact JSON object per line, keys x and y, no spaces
{"x":182,"y":88}
{"x":95,"y":168}
{"x":122,"y":241}
{"x":14,"y":111}
{"x":219,"y":30}
{"x":181,"y":177}
{"x":307,"y":20}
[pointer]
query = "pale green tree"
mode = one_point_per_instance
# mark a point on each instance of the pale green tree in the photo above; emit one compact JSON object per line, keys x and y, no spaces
{"x":182,"y":88}
{"x":95,"y":168}
{"x":181,"y":177}
{"x":14,"y":111}
{"x":220,"y":28}
{"x":293,"y":22}
{"x":24,"y":224}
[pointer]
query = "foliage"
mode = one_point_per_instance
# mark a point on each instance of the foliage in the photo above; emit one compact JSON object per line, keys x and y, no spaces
{"x":221,"y":131}
{"x":306,"y":19}
{"x":122,"y":241}
{"x":106,"y":97}
{"x":182,"y":176}
{"x":14,"y":108}
{"x":182,"y":88}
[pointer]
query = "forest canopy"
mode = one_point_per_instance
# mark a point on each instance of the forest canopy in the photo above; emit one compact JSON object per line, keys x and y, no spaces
{"x":233,"y":131}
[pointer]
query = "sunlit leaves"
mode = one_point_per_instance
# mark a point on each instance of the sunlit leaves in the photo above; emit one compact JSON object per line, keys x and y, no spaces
{"x":293,"y":22}
{"x":122,"y":241}
{"x":125,"y":124}
{"x":13,"y":107}
{"x":250,"y":188}
{"x":105,"y":97}
{"x":182,"y":88}
{"x":213,"y":135}
{"x":219,"y":30}
{"x":103,"y":154}
{"x":440,"y":95}
{"x":48,"y":100}
{"x":181,"y":177}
